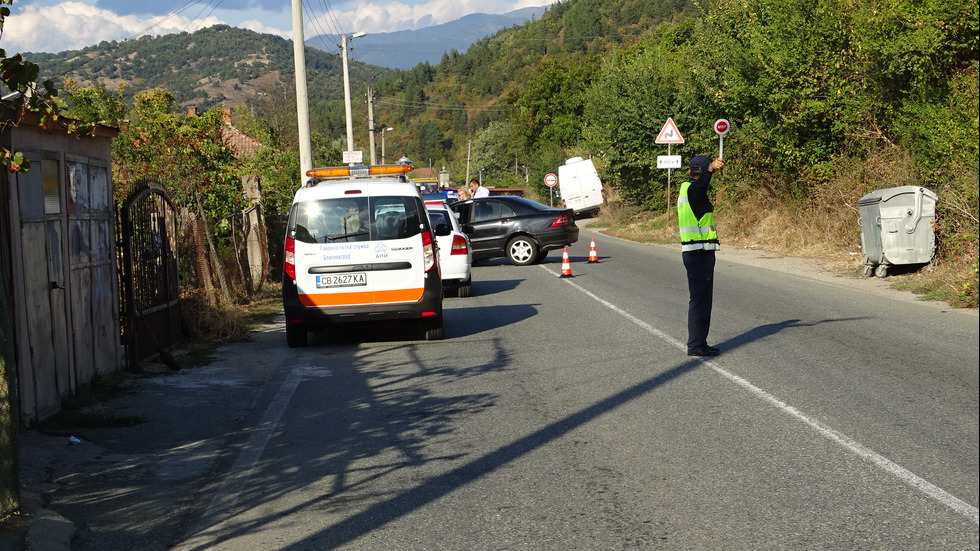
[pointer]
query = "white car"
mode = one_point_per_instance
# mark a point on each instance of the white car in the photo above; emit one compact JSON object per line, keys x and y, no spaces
{"x":455,"y":254}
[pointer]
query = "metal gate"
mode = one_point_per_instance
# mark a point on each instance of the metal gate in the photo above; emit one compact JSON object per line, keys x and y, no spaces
{"x":150,"y":308}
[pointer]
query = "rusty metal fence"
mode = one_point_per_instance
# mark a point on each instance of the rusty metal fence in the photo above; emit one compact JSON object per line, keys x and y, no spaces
{"x":147,"y":246}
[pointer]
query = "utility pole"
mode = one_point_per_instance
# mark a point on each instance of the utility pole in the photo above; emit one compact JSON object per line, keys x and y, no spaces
{"x":302,"y":97}
{"x":469,"y":150}
{"x":383,"y":130}
{"x":370,"y":101}
{"x":350,"y":123}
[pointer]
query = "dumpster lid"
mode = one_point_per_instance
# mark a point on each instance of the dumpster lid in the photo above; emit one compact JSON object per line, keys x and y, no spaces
{"x":880,"y":195}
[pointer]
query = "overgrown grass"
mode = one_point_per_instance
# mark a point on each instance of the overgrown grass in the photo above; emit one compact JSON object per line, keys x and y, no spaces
{"x":197,"y":354}
{"x":211,"y":324}
{"x":632,"y":223}
{"x":952,"y":282}
{"x":266,"y":306}
{"x":209,"y":321}
{"x":825,"y":229}
{"x":78,"y":409}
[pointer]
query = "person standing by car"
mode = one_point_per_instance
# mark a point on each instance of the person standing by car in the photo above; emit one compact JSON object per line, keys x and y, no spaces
{"x":477,"y":191}
{"x":699,"y":241}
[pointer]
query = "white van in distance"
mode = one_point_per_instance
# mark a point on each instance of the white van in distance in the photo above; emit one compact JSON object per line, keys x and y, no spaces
{"x":579,"y":186}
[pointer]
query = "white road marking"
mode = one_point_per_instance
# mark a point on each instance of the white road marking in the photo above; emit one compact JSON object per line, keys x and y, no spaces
{"x":226,"y":498}
{"x":843,"y":440}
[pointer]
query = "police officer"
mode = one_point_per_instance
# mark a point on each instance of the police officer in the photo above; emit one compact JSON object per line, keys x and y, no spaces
{"x":699,"y":241}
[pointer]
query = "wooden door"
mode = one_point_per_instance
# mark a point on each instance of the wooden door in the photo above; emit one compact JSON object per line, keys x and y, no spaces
{"x":41,"y":275}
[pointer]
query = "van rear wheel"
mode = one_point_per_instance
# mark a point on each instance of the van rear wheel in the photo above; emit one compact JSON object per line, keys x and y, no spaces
{"x":296,"y":335}
{"x":433,"y":330}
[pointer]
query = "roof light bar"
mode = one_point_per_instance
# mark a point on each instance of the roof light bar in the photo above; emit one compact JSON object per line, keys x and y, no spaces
{"x":358,"y":170}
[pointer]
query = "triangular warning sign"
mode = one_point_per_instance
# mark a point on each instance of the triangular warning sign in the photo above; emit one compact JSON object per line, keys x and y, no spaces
{"x":669,"y":133}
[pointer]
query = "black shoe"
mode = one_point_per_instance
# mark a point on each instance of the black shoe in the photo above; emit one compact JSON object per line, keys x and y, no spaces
{"x":713,"y":348}
{"x":703,"y":351}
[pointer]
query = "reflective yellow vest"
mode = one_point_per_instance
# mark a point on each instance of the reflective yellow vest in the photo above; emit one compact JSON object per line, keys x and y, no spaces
{"x":695,"y":234}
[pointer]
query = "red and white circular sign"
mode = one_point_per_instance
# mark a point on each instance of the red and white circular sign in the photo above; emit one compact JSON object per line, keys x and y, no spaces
{"x":550,"y":180}
{"x":722,"y":126}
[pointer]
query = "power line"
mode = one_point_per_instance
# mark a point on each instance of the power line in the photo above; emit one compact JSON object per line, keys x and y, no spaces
{"x":218,"y":3}
{"x":315,"y":22}
{"x":439,"y":106}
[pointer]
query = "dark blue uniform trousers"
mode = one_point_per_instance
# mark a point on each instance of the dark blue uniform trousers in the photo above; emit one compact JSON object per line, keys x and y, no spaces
{"x":700,"y":282}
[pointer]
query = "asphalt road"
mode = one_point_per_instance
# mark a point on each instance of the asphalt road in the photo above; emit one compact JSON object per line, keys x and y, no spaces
{"x":564,"y":414}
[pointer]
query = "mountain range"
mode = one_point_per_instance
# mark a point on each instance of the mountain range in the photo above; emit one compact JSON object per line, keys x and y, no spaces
{"x":406,"y":49}
{"x":223,"y":64}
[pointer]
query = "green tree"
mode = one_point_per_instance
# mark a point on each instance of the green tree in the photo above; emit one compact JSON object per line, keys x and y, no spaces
{"x":628,"y":104}
{"x":95,"y":104}
{"x":188,"y":155}
{"x":552,"y":102}
{"x":432,"y":141}
{"x":495,"y":154}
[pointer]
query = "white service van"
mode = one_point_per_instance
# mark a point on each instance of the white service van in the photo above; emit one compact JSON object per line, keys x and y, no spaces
{"x":579,"y":186}
{"x":360,"y":248}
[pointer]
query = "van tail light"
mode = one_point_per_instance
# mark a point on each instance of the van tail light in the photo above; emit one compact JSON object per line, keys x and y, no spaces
{"x":429,"y":251}
{"x":459,"y":245}
{"x":560,"y":221}
{"x":289,"y":259}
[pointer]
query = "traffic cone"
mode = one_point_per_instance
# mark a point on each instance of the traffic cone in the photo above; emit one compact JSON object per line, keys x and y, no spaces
{"x":566,"y":266}
{"x":593,"y":257}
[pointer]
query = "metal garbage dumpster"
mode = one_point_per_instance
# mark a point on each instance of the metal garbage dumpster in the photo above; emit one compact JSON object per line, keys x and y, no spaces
{"x":897,"y":228}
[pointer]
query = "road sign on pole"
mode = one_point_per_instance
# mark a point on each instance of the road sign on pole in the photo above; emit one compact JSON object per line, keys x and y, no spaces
{"x":721,"y":128}
{"x":550,"y":180}
{"x":669,"y":133}
{"x":353,"y":157}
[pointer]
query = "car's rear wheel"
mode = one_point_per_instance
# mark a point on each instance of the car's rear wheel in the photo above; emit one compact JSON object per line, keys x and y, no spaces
{"x":522,"y":250}
{"x":465,"y":288}
{"x":296,"y":335}
{"x":541,"y":256}
{"x":433,"y":330}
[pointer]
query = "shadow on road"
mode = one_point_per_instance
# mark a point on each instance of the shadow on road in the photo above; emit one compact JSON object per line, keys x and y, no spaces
{"x":400,"y":412}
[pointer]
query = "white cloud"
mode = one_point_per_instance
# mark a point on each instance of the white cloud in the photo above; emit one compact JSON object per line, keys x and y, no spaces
{"x":261,"y":27}
{"x":398,"y":16}
{"x":75,"y":25}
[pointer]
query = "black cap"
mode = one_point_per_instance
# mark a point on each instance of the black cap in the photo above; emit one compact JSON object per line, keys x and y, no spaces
{"x":699,"y":164}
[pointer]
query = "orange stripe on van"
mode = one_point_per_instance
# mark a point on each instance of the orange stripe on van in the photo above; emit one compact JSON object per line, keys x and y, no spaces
{"x":364,"y":297}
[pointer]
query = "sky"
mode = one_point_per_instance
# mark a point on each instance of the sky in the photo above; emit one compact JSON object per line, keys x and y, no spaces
{"x":58,"y":25}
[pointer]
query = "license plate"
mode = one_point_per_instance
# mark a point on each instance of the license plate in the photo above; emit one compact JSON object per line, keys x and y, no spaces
{"x":341,"y":280}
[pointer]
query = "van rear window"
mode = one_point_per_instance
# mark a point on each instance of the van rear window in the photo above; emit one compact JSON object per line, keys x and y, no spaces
{"x":349,"y":219}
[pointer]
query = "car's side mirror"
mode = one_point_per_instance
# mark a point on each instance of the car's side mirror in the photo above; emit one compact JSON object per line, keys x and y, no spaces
{"x":443,"y":230}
